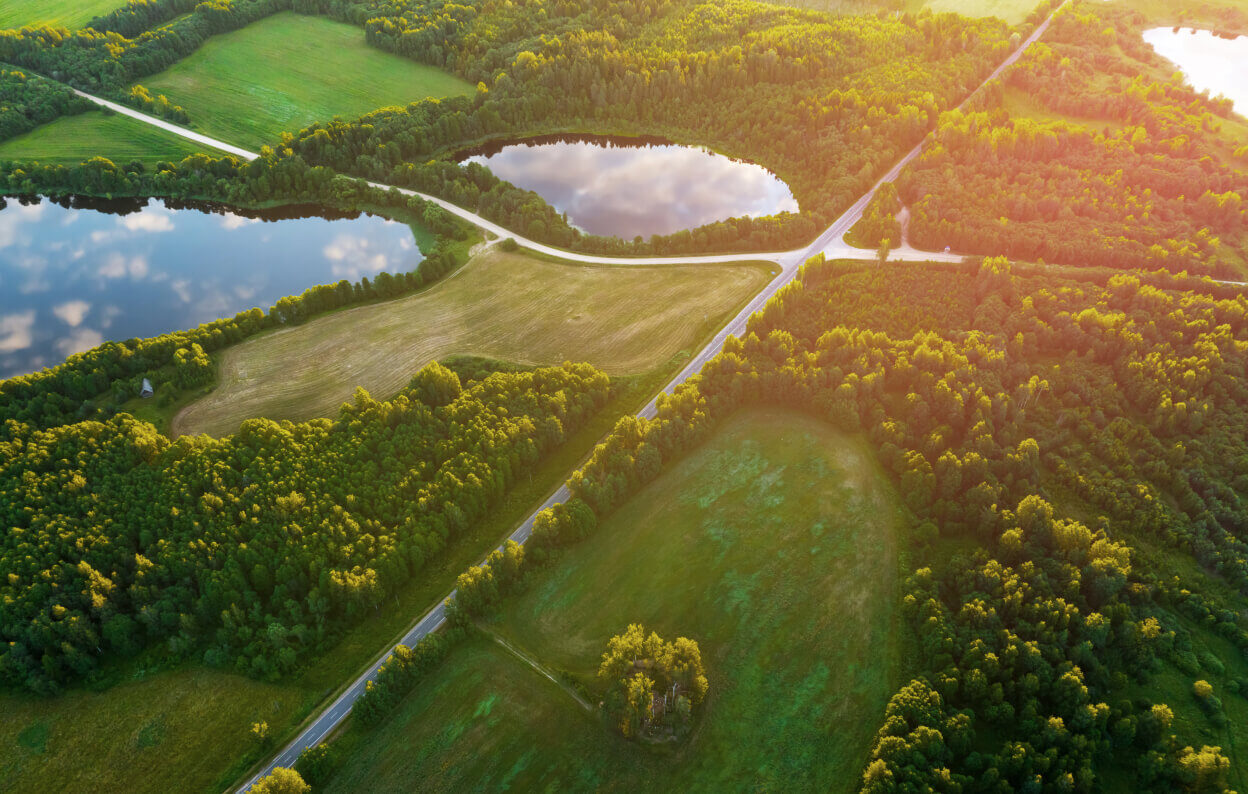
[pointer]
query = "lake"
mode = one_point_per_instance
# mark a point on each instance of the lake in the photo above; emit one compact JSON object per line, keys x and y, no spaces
{"x":625,"y":187}
{"x":75,"y":273}
{"x":1210,"y":62}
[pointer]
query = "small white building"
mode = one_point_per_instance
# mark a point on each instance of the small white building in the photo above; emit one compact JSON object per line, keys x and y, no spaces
{"x":146,"y":389}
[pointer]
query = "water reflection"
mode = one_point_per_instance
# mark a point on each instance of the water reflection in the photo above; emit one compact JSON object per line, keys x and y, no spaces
{"x":77,"y":272}
{"x":1210,"y":61}
{"x":635,"y":186}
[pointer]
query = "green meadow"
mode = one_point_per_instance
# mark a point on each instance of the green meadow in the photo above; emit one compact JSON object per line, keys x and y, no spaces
{"x":288,"y":70}
{"x":773,"y":545}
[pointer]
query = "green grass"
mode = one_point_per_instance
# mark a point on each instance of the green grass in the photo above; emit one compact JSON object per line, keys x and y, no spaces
{"x":287,"y":71}
{"x":70,"y":13}
{"x":72,"y":139}
{"x":624,"y":320}
{"x":774,"y":545}
{"x":172,"y":731}
{"x":1192,"y":726}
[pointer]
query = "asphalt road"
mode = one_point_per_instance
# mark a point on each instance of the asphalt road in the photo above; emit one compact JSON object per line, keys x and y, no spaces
{"x":830,"y":243}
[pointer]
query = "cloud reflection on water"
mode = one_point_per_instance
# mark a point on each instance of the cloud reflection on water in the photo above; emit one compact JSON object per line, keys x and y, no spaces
{"x":640,"y":190}
{"x":72,"y":276}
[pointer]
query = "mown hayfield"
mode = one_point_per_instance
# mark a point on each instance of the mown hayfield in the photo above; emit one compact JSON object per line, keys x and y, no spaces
{"x":72,"y":139}
{"x":70,"y":13}
{"x":774,"y":545}
{"x":512,"y":307}
{"x":287,"y":71}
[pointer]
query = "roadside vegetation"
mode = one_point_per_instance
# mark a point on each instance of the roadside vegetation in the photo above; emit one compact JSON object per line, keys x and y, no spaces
{"x":286,"y":71}
{"x":778,"y":528}
{"x":623,"y":320}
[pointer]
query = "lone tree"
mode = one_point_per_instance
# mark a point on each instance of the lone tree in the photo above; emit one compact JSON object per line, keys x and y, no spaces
{"x":652,"y":685}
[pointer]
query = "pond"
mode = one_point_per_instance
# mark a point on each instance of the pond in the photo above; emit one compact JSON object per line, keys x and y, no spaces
{"x":1210,"y":61}
{"x":75,"y":273}
{"x":611,"y":185}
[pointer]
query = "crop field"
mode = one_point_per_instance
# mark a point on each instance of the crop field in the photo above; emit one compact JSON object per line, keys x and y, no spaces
{"x":287,"y":71}
{"x":622,"y":320}
{"x":72,"y":139}
{"x":773,"y":545}
{"x":70,"y":13}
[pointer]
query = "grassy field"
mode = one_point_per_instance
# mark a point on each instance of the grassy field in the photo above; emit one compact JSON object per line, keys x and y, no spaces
{"x":774,"y":545}
{"x":70,"y":13}
{"x":170,"y":731}
{"x":506,"y":306}
{"x":287,"y":71}
{"x":198,"y":718}
{"x":72,"y":139}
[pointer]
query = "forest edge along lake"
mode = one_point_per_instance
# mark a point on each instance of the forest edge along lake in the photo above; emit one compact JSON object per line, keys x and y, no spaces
{"x":75,"y":272}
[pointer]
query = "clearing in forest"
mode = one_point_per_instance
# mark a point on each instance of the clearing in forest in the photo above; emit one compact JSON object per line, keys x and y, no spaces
{"x":288,"y":70}
{"x":623,"y":320}
{"x":773,"y":545}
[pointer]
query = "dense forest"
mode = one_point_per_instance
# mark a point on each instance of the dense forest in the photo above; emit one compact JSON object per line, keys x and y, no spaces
{"x":71,"y":391}
{"x":1137,"y":178}
{"x":1039,"y":429}
{"x":254,"y":550}
{"x":825,"y":101}
{"x":26,"y":101}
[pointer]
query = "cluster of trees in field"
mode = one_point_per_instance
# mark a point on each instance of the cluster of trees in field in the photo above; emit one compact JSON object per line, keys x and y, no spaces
{"x":1124,"y":395}
{"x":254,"y":550}
{"x":158,"y":105}
{"x":651,"y":684}
{"x":1142,"y":179}
{"x":27,"y":100}
{"x":69,"y":392}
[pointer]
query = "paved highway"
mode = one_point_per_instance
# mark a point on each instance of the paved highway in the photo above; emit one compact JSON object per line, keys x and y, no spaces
{"x":830,"y":243}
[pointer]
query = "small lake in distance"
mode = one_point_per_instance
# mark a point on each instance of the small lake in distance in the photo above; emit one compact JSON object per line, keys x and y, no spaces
{"x":1209,"y":61}
{"x":625,"y":187}
{"x":75,"y":273}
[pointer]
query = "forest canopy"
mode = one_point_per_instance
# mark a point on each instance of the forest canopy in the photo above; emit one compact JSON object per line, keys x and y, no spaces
{"x":254,"y":550}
